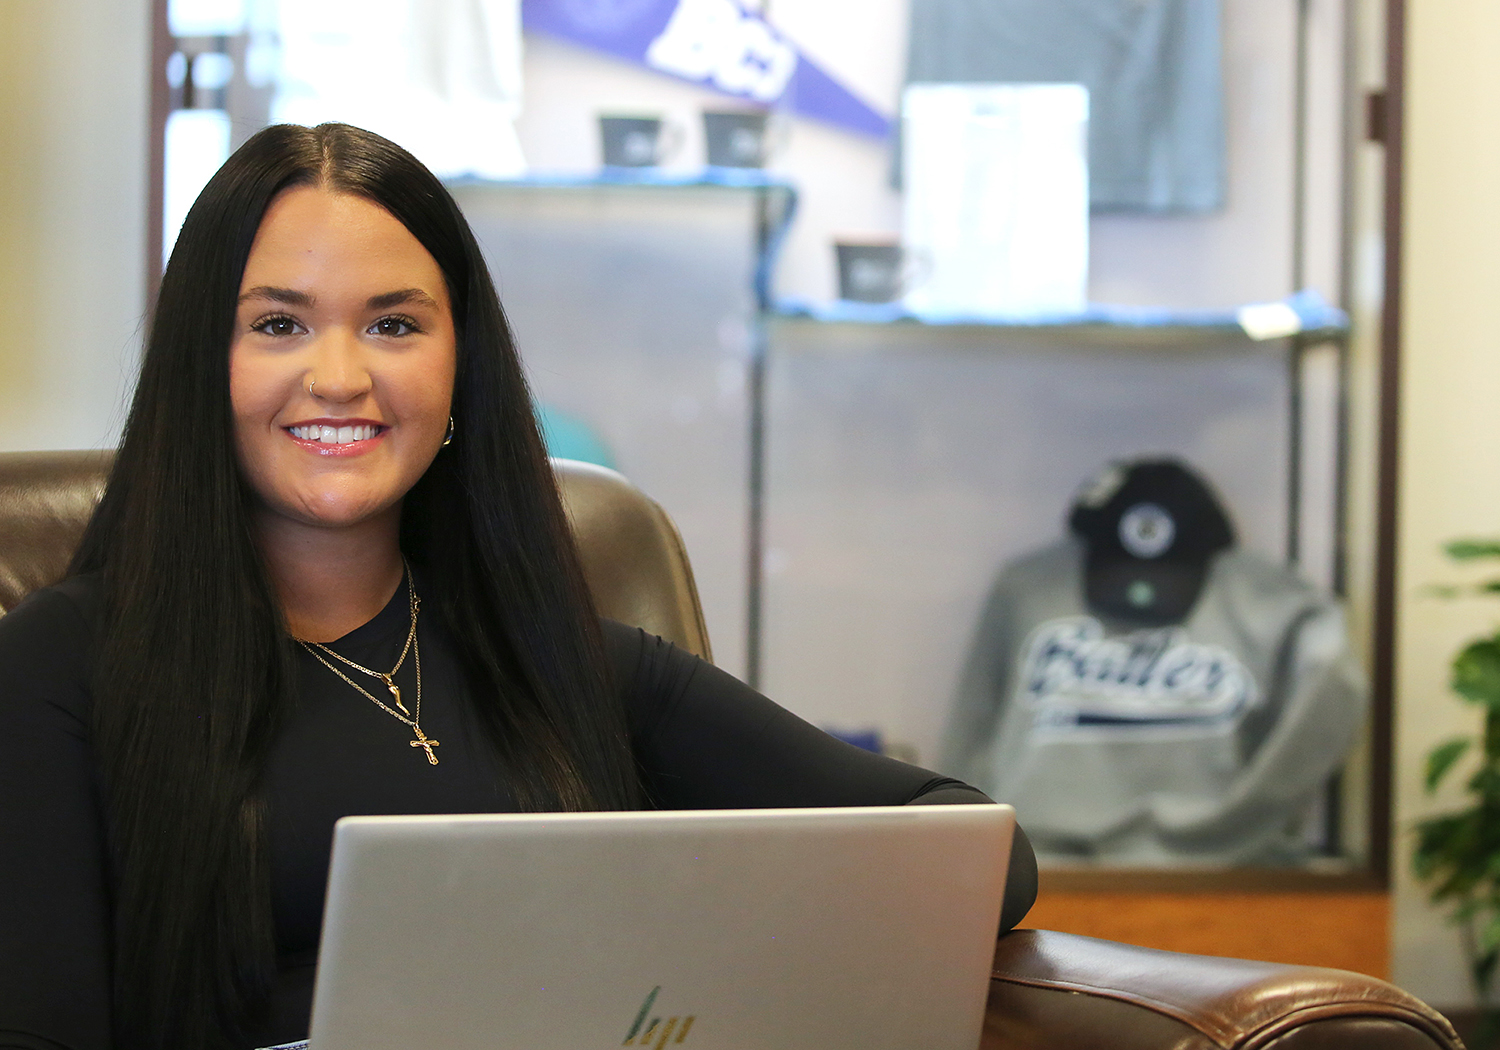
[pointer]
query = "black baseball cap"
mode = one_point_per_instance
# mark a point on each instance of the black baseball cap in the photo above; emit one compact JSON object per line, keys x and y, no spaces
{"x":1150,"y":527}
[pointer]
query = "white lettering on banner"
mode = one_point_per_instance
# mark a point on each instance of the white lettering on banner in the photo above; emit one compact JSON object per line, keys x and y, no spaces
{"x":716,"y":40}
{"x":1073,"y":676}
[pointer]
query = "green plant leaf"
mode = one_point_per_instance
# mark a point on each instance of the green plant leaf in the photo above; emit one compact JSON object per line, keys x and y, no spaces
{"x":1489,"y":934}
{"x":1457,"y":854}
{"x":1445,"y":852}
{"x":1482,"y":589}
{"x":1476,"y":672}
{"x":1485,"y":783}
{"x":1464,"y":912}
{"x":1483,"y":967}
{"x":1468,"y":550}
{"x":1441,"y":759}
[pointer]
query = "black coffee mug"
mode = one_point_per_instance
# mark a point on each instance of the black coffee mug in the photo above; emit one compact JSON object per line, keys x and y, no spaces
{"x":634,"y":142}
{"x":875,"y":272}
{"x":736,"y":138}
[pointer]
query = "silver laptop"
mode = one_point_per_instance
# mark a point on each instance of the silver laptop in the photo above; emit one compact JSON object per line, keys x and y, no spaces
{"x":794,"y":929}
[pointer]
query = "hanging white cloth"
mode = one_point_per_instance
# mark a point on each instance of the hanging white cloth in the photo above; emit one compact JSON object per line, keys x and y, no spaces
{"x":440,"y":77}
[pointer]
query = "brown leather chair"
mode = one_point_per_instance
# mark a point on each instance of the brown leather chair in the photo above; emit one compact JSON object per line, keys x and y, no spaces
{"x":632,"y":555}
{"x":1047,"y":990}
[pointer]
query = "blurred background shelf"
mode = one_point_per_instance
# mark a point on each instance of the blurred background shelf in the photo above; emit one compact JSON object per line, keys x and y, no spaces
{"x":1304,"y":315}
{"x":637,"y":302}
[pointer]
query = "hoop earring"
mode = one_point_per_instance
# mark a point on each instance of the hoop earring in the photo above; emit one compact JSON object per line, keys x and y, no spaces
{"x":448,"y":438}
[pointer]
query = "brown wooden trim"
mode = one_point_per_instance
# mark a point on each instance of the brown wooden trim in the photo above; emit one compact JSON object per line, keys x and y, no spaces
{"x":1209,"y":880}
{"x":1383,"y":669}
{"x":161,"y":107}
{"x":1345,"y":931}
{"x":1375,"y":116}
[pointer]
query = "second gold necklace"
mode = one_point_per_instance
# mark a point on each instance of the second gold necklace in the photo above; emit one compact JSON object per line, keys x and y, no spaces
{"x":413,"y":717}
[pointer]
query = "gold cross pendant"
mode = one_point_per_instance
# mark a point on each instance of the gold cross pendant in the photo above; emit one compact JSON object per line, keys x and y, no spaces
{"x":423,"y":741}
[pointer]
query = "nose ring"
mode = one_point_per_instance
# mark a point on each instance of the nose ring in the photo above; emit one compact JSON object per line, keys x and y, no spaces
{"x":311,"y":383}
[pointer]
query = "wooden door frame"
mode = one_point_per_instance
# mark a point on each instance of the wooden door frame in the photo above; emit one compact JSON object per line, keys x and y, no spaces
{"x":1384,"y":640}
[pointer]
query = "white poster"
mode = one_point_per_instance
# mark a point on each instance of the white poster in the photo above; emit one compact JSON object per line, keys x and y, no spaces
{"x":997,"y":197}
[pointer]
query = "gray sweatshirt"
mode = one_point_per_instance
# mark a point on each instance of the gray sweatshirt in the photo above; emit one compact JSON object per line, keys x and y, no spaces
{"x":1198,"y":744}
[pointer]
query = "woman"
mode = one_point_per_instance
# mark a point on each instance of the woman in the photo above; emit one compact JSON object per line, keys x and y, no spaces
{"x":330,"y":574}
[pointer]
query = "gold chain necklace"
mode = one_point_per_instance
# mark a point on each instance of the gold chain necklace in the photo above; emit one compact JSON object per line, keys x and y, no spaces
{"x":411,"y":718}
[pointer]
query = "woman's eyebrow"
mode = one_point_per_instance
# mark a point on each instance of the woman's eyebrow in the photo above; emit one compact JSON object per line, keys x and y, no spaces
{"x":413,"y":296}
{"x":290,"y":296}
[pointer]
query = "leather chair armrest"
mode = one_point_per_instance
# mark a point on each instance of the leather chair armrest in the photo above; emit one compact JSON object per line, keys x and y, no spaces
{"x":45,"y":502}
{"x":1064,"y":992}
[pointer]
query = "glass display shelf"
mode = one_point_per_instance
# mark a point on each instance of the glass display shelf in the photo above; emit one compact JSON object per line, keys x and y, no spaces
{"x":638,"y":301}
{"x":1304,"y":315}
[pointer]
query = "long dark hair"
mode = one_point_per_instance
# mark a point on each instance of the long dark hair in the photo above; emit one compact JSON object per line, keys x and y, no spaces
{"x":194,"y":664}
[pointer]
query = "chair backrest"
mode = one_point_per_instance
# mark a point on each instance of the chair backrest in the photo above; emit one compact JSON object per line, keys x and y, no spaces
{"x":633,"y":558}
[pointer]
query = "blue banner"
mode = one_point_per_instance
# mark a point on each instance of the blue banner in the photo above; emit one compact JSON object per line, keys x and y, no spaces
{"x":715,"y":43}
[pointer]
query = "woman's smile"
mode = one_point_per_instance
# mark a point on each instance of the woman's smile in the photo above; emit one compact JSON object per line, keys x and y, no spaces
{"x":336,"y":437}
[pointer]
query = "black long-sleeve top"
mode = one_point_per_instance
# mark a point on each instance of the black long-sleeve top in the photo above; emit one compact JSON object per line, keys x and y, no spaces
{"x":702,"y":739}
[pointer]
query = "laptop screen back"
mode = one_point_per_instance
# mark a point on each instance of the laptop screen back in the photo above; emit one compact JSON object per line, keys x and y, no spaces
{"x":805,"y":929}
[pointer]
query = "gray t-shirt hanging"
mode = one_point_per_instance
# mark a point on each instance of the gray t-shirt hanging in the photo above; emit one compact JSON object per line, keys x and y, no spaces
{"x":1156,"y":128}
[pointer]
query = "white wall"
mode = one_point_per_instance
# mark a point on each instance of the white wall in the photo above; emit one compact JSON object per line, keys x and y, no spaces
{"x":73,"y":151}
{"x":1450,"y":426}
